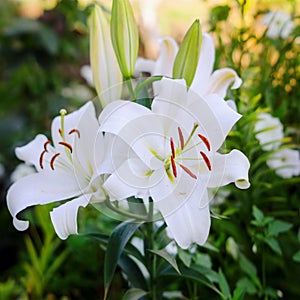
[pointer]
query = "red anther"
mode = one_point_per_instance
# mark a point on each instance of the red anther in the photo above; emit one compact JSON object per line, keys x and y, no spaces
{"x":173,"y":166}
{"x":205,"y":141}
{"x":188,"y":171}
{"x":60,"y":132}
{"x":46,"y":144}
{"x":75,"y":131}
{"x":206,"y":159}
{"x":172,"y":147}
{"x":181,"y":138}
{"x":53,"y":159}
{"x":67,"y":146}
{"x":41,"y":158}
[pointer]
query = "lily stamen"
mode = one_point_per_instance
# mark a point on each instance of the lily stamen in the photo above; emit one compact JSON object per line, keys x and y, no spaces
{"x":74,"y":131}
{"x":187,"y":170}
{"x":181,"y":138}
{"x":45,"y":145}
{"x":41,"y":158}
{"x":53,"y":159}
{"x":205,"y":141}
{"x":67,"y":146}
{"x":206,"y":160}
{"x":172,"y":147}
{"x":173,"y":166}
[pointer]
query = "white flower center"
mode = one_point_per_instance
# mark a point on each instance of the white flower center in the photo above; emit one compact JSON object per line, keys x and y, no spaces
{"x":175,"y":156}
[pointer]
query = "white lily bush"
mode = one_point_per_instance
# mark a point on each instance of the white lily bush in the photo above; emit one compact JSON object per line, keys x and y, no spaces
{"x":185,"y":156}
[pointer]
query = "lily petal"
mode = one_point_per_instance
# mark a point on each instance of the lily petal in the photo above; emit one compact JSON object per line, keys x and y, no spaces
{"x":39,"y":188}
{"x":190,"y":223}
{"x":119,"y":113}
{"x":31,"y":152}
{"x":71,"y":121}
{"x":221,"y":79}
{"x":228,"y":168}
{"x":144,"y":65}
{"x":170,"y":91}
{"x":214,"y":115}
{"x":165,"y":60}
{"x":64,"y":217}
{"x":119,"y":188}
{"x":205,"y":65}
{"x":163,"y":66}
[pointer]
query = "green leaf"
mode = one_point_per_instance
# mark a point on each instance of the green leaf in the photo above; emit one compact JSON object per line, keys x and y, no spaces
{"x":296,"y":256}
{"x":245,"y":284}
{"x":49,"y":40}
{"x":136,"y":206}
{"x":247,"y":266}
{"x":277,"y":226}
{"x":194,"y":275}
{"x":258,"y":214}
{"x":274,"y":245}
{"x":117,"y":241}
{"x":185,"y":257}
{"x":132,"y":271}
{"x":143,"y":83}
{"x":187,"y":57}
{"x":224,"y":285}
{"x":238,"y":293}
{"x":102,"y":238}
{"x":134,"y":294}
{"x":220,"y":13}
{"x":169,"y":258}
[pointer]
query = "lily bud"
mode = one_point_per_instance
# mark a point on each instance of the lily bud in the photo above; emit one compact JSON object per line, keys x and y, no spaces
{"x":188,"y":54}
{"x":107,"y":76}
{"x":124,"y":36}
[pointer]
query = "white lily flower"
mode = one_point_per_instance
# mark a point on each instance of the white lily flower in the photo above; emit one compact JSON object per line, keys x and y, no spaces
{"x":279,"y":24}
{"x":285,"y":162}
{"x":172,"y":155}
{"x":164,"y":63}
{"x":206,"y":81}
{"x":66,"y":170}
{"x":107,"y":76}
{"x":269,"y":131}
{"x":21,"y":171}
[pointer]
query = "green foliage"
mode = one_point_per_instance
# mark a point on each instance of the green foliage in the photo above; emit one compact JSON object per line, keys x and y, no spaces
{"x":115,"y":246}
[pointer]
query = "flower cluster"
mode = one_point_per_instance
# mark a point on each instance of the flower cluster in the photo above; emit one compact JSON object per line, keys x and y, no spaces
{"x":166,"y":154}
{"x":269,"y":132}
{"x":279,"y":24}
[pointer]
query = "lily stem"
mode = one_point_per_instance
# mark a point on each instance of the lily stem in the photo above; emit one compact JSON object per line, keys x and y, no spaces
{"x":151,"y":257}
{"x":130,"y":89}
{"x":125,"y":213}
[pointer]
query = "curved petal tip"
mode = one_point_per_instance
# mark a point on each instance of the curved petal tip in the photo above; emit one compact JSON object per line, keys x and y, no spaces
{"x":20,"y":225}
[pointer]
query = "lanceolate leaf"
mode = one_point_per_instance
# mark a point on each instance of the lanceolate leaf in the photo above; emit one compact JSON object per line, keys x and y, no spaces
{"x":224,"y":285}
{"x":133,"y":272}
{"x":117,"y":241}
{"x":169,"y":258}
{"x":134,"y":294}
{"x":276,"y":227}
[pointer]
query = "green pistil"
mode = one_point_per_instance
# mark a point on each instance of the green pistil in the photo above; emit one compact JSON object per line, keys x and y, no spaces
{"x":62,"y":113}
{"x":169,"y":173}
